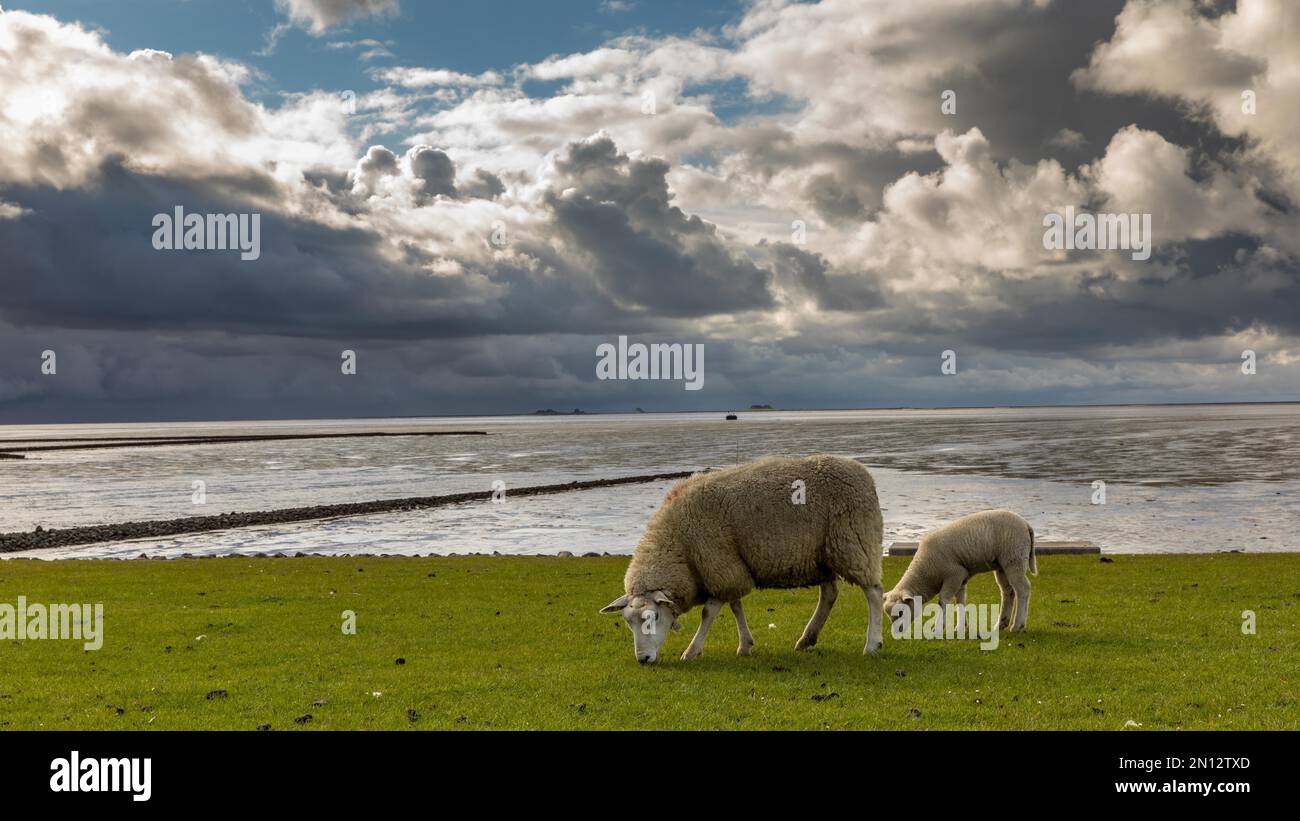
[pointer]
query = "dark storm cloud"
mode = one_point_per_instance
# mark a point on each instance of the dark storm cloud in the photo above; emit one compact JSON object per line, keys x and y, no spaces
{"x":145,"y":333}
{"x":834,"y":201}
{"x":435,"y":171}
{"x":84,"y":259}
{"x":810,"y":274}
{"x":1023,"y":97}
{"x":484,"y":185}
{"x":1019,"y":89}
{"x":642,"y":250}
{"x":852,"y":191}
{"x":1106,"y":311}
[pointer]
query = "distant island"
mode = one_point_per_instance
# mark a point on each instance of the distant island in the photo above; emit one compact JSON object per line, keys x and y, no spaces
{"x":551,"y":412}
{"x":760,"y":407}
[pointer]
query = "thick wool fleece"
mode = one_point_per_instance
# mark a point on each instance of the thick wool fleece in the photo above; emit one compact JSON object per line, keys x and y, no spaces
{"x":722,"y":534}
{"x":978,"y":543}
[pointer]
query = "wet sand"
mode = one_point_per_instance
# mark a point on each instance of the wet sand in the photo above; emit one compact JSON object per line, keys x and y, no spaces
{"x":96,"y":443}
{"x":65,"y":537}
{"x":1177,"y":479}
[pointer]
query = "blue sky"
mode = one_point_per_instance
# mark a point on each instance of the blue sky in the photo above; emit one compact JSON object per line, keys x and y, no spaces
{"x":471,"y":37}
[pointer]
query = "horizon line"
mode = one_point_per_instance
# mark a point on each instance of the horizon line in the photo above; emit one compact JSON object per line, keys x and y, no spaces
{"x":543,"y":412}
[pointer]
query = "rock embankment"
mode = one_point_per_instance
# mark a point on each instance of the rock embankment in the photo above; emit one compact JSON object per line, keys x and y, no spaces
{"x":14,"y":448}
{"x":164,"y":528}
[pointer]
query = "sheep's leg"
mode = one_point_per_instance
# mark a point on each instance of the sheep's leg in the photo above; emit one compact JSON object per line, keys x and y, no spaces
{"x":1020,"y":582}
{"x":742,"y":628}
{"x":953,"y":587}
{"x":876,"y":606}
{"x":711,"y":610}
{"x":961,"y":610}
{"x":825,"y":601}
{"x":1008,"y":599}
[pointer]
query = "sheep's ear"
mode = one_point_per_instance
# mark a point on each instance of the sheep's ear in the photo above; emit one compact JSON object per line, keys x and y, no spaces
{"x":662,"y":598}
{"x":616,"y":605}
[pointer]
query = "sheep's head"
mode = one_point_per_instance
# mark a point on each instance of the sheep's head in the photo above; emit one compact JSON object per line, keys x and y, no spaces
{"x":649,"y":616}
{"x":899,"y":603}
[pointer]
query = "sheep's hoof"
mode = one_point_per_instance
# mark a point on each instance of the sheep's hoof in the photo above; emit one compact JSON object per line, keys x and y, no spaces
{"x":743,"y":650}
{"x":871,"y":650}
{"x":1003,"y":625}
{"x":805,"y":642}
{"x":690,"y":653}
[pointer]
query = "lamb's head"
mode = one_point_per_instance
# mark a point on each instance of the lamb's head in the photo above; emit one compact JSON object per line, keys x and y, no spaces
{"x":900,"y":602}
{"x":649,"y":616}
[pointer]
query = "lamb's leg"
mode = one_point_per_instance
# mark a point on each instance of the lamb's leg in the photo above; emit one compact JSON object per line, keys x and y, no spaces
{"x":952,"y":587}
{"x":876,"y":606}
{"x":825,"y":601}
{"x":742,"y":628}
{"x":961,"y":610}
{"x":1008,"y":599}
{"x":1020,"y":582}
{"x":710,"y":612}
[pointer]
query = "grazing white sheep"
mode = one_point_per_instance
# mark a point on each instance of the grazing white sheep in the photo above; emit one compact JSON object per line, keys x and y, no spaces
{"x":996,"y":540}
{"x":719,"y":535}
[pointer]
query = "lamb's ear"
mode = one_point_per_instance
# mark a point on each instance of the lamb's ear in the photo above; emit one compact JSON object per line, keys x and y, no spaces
{"x":616,"y":605}
{"x":662,"y":598}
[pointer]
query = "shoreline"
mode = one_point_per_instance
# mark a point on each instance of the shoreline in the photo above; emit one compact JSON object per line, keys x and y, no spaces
{"x":100,"y":443}
{"x":40,"y":538}
{"x":633,"y":412}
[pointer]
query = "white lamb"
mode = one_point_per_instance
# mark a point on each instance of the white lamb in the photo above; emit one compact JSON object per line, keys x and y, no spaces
{"x":996,"y":540}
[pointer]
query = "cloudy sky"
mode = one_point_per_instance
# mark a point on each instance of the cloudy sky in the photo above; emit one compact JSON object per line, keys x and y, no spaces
{"x":474,"y":196}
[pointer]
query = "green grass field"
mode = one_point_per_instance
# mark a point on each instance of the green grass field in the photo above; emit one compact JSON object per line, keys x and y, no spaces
{"x":499,"y":642}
